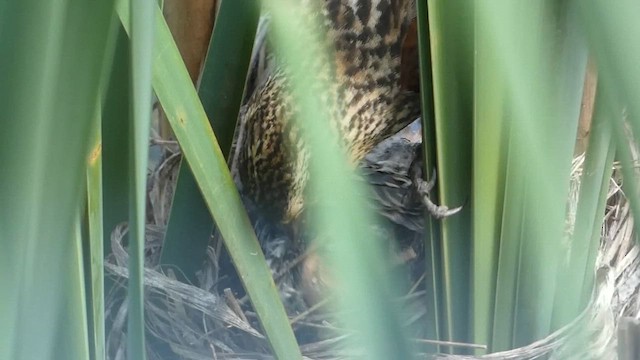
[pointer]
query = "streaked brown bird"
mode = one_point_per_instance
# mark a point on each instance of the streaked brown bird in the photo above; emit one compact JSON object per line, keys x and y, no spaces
{"x":377,"y":99}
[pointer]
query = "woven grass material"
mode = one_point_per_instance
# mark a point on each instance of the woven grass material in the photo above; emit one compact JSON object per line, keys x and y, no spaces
{"x":207,"y":321}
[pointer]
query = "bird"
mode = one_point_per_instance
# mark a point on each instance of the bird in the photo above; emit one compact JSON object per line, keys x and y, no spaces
{"x":301,"y":275}
{"x":367,"y":38}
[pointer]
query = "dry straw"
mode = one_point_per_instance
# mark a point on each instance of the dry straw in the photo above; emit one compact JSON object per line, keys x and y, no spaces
{"x":199,"y":321}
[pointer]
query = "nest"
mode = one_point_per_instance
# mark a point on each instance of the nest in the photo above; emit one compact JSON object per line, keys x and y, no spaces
{"x":210,"y":321}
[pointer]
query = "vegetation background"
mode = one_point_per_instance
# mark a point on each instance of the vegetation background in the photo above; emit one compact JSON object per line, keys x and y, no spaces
{"x":503,"y":86}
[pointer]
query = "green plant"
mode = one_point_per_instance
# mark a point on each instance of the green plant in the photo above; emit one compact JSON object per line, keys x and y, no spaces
{"x":500,"y":114}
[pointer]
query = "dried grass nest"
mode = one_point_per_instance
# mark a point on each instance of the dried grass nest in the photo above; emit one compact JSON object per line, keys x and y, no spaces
{"x":201,"y":321}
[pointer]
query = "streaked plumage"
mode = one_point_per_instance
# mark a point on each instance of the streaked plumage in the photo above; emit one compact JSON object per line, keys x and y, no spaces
{"x":367,"y":37}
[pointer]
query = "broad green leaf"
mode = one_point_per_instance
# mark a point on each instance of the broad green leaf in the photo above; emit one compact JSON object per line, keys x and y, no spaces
{"x":584,"y":239}
{"x":433,"y":280}
{"x":543,"y":72}
{"x":94,"y":242}
{"x":345,"y":238}
{"x":489,"y":148}
{"x":189,"y":122}
{"x":451,"y":30}
{"x":220,"y":91}
{"x":612,"y":31}
{"x":49,"y":96}
{"x":141,"y":29}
